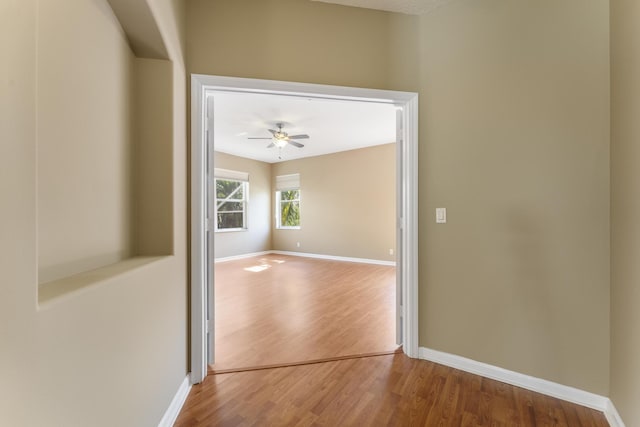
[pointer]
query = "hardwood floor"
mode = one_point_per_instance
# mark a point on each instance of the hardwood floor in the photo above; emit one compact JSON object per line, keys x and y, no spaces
{"x":390,"y":390}
{"x":278,"y":310}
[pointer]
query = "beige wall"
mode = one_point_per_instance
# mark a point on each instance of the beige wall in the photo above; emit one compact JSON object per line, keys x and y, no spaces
{"x":84,"y":166}
{"x":347,"y":204}
{"x":246,"y":38}
{"x":366,"y":192}
{"x":257,"y":237}
{"x":625,"y":209}
{"x":513,"y":141}
{"x":115,"y":353}
{"x":153,"y":155}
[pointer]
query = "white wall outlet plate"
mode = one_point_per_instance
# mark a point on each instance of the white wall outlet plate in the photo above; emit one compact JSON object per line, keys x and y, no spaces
{"x":441,"y":215}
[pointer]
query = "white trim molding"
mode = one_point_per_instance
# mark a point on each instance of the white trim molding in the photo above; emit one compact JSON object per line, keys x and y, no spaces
{"x":171,"y":414}
{"x":202,"y":87}
{"x":549,"y":388}
{"x":307,"y":255}
{"x":612,"y":415}
{"x":336,"y":258}
{"x":242,"y":256}
{"x":408,"y":226}
{"x":199,"y":227}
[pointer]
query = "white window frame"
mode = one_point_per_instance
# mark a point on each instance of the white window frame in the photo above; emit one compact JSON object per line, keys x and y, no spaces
{"x":245,"y":205}
{"x":278,"y":212}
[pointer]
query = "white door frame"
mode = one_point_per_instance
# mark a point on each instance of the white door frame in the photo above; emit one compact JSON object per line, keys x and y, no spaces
{"x":408,"y":197}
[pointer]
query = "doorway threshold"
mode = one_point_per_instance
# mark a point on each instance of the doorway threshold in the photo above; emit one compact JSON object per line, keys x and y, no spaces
{"x":213,"y":371}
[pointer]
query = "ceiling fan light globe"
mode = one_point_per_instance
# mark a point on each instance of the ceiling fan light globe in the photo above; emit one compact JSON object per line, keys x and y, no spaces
{"x":280,"y":143}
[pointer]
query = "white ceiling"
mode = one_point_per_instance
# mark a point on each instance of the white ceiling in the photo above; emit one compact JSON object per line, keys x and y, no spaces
{"x":411,"y":7}
{"x":332,"y":125}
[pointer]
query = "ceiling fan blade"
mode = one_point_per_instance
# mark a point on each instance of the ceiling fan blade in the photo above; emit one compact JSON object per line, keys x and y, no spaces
{"x":298,"y":136}
{"x":295,"y":144}
{"x":255,"y":137}
{"x":273,"y":132}
{"x":271,"y":145}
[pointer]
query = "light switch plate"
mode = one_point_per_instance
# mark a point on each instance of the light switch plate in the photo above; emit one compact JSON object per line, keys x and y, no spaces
{"x":441,"y":215}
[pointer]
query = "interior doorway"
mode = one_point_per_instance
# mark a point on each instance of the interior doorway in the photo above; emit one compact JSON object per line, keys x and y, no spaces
{"x":202,"y":304}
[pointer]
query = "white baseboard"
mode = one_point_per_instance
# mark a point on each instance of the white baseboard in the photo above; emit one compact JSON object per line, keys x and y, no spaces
{"x":243,"y":256}
{"x":304,"y":254}
{"x":172,"y":412}
{"x":612,"y":415}
{"x":538,"y":385}
{"x":337,"y":258}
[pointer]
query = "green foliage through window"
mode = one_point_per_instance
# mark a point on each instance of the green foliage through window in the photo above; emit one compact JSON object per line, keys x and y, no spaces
{"x":230,"y":204}
{"x":289,"y":208}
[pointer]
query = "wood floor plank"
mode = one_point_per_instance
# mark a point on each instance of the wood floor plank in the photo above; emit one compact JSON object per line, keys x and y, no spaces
{"x":389,"y":390}
{"x":277,"y":310}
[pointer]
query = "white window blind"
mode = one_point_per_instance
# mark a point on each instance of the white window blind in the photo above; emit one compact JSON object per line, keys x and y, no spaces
{"x":287,"y":182}
{"x":229,"y":174}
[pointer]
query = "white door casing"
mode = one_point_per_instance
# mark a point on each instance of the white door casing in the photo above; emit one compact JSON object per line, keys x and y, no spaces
{"x":202,"y":87}
{"x":209,"y":227}
{"x":399,"y":216}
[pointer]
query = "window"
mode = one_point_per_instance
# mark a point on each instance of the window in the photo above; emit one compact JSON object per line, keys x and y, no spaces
{"x":288,"y":201}
{"x":231,"y":200}
{"x":288,"y":209}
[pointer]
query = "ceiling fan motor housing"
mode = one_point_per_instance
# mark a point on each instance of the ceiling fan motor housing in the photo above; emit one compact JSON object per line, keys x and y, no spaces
{"x":281,"y":138}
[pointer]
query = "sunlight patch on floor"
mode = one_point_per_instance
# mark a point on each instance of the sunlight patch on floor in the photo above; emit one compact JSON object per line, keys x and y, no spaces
{"x":274,"y":261}
{"x":258,"y":268}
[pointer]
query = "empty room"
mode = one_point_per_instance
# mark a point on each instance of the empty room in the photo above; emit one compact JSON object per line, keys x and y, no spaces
{"x":134,"y":294}
{"x":305,"y":229}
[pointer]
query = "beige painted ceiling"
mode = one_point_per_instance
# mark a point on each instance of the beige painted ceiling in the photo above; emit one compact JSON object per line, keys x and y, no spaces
{"x":411,"y":7}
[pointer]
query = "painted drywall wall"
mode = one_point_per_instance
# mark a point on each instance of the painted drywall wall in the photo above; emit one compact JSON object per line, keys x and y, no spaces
{"x":152,"y":158}
{"x":342,"y":46}
{"x":367,"y":193}
{"x":257,"y":236}
{"x":625,"y":209}
{"x":115,"y":353}
{"x":348,"y":204}
{"x":514,"y":136}
{"x":515,"y":143}
{"x":85,"y":213}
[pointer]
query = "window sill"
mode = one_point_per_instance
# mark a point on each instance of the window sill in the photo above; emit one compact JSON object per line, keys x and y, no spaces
{"x":231,"y":230}
{"x":288,"y":228}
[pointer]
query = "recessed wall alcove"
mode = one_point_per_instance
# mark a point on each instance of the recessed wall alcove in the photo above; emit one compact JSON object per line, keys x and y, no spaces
{"x":104,"y":147}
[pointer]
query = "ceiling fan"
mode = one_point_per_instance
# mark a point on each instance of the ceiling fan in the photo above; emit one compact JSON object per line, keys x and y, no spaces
{"x":279,"y":138}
